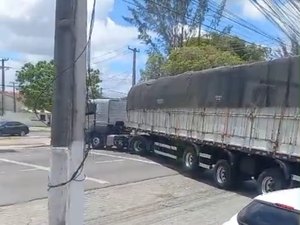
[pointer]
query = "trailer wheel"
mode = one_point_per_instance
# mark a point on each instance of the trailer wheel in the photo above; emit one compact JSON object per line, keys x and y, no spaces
{"x":97,"y":142}
{"x":224,"y":175}
{"x":139,"y":145}
{"x":271,"y":180}
{"x":190,"y":159}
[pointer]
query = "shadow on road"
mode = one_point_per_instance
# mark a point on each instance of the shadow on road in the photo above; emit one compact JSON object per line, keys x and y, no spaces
{"x":7,"y":151}
{"x":247,"y":188}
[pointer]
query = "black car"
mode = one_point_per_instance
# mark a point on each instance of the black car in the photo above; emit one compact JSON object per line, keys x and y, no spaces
{"x":13,"y":128}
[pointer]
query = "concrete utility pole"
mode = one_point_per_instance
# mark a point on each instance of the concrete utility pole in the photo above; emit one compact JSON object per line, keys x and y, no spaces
{"x":66,"y":202}
{"x":134,"y":50}
{"x":3,"y":85}
{"x":14,"y":94}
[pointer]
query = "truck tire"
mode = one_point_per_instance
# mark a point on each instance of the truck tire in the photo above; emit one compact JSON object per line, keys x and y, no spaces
{"x":224,"y":175}
{"x":271,"y":179}
{"x":190,"y":159}
{"x":97,"y":142}
{"x":139,"y":145}
{"x":120,"y":145}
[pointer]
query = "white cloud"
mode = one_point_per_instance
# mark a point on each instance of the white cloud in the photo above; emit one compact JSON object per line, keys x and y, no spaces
{"x":246,"y":9}
{"x":21,"y":8}
{"x":103,"y":8}
{"x":27,"y":31}
{"x":250,"y":11}
{"x":108,"y":35}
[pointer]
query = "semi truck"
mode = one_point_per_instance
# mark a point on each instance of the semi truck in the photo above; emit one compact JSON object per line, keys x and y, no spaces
{"x":242,"y":122}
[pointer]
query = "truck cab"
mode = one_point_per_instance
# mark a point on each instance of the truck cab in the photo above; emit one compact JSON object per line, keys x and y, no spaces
{"x":105,"y":120}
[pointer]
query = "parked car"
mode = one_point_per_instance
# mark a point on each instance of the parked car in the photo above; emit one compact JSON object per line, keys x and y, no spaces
{"x":13,"y":128}
{"x":275,"y":208}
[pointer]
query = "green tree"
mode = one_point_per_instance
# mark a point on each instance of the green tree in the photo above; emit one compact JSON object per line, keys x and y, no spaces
{"x":210,"y":51}
{"x":153,"y":67}
{"x":167,"y":24}
{"x":34,"y":80}
{"x":93,"y":83}
{"x":198,"y":58}
{"x":36,"y":84}
{"x":247,"y":52}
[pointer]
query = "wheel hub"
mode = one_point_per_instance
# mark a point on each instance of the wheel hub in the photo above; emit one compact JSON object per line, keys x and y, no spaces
{"x":189,"y":160}
{"x":221,"y":175}
{"x":96,"y":141}
{"x":120,"y":143}
{"x":268,"y":185}
{"x":138,"y":146}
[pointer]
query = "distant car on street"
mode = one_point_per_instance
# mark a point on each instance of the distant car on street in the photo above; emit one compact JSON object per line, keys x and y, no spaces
{"x":9,"y":128}
{"x":275,"y":208}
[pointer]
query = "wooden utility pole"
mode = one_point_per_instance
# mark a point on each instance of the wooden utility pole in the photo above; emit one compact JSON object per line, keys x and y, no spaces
{"x":134,"y":50}
{"x":3,"y":86}
{"x":66,"y":199}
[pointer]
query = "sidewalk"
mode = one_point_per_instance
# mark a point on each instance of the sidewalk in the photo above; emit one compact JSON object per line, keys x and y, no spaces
{"x":169,"y":200}
{"x":40,"y":129}
{"x":27,"y":142}
{"x":15,"y":142}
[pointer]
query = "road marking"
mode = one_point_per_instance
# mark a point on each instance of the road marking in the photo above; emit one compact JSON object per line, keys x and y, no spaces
{"x":110,"y":161}
{"x":27,"y":170}
{"x":48,"y":169}
{"x":123,"y":157}
{"x":25,"y":164}
{"x":97,"y":180}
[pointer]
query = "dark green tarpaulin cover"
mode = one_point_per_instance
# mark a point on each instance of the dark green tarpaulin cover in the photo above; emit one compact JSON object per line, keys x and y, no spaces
{"x":263,"y":84}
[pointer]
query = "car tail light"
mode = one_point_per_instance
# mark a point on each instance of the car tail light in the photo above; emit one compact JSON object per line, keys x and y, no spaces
{"x":282,"y":206}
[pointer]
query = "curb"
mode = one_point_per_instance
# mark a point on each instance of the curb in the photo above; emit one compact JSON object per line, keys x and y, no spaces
{"x":18,"y":147}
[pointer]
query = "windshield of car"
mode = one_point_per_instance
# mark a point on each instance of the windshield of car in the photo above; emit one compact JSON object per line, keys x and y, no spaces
{"x":260,"y":213}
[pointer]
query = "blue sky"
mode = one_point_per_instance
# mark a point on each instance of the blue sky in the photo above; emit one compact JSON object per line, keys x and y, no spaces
{"x":29,"y":30}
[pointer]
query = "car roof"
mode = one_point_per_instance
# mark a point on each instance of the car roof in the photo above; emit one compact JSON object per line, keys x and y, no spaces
{"x":288,"y":197}
{"x":10,"y":121}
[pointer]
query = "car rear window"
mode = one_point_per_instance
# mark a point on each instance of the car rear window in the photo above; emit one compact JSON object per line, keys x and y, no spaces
{"x":259,"y":213}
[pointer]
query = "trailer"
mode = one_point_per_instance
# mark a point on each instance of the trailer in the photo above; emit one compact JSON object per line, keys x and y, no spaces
{"x":242,"y":122}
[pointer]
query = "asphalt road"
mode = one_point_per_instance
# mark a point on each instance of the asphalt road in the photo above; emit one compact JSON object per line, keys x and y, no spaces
{"x":129,"y":186}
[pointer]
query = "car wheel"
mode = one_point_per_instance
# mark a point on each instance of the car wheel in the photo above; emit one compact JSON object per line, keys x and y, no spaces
{"x":224,"y":175}
{"x":22,"y":133}
{"x":271,"y":180}
{"x":97,"y":142}
{"x":190,"y":159}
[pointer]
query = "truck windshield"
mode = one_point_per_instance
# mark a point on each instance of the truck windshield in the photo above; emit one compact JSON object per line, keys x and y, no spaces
{"x":259,"y":213}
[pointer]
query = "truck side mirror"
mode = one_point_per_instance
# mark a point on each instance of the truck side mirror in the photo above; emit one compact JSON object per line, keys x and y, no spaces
{"x":90,"y":109}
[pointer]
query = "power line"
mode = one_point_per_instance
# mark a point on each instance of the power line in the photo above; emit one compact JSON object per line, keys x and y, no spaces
{"x":278,"y":17}
{"x":107,"y":53}
{"x":187,"y":17}
{"x":112,"y":90}
{"x":238,"y":20}
{"x":113,"y":57}
{"x":112,"y":76}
